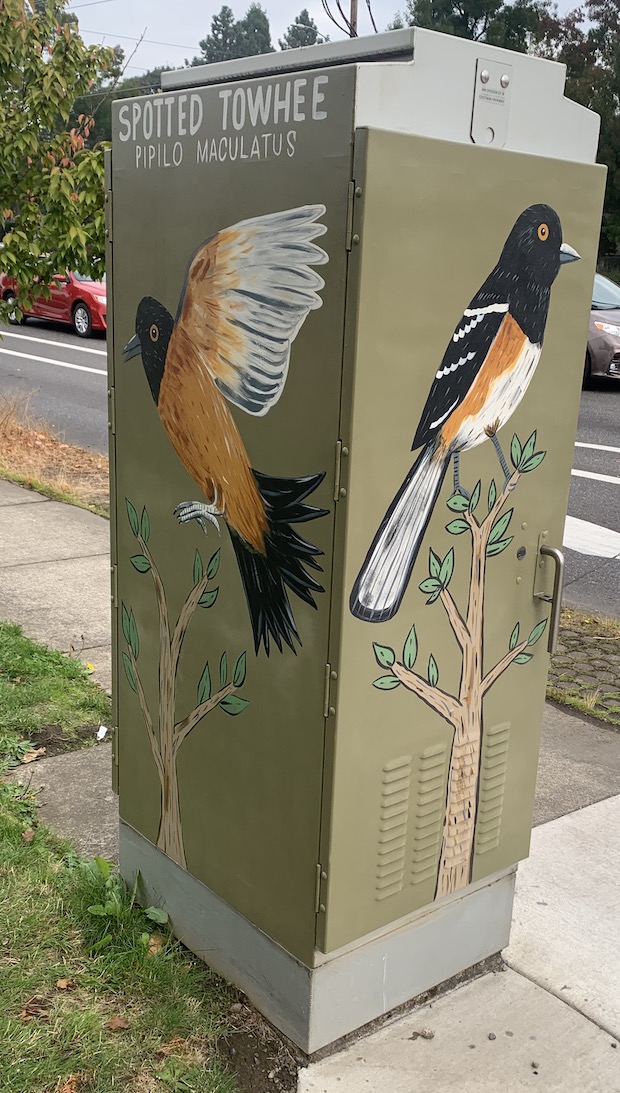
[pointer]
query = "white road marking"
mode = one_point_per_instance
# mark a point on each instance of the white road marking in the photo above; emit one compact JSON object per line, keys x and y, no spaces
{"x":596,"y":477}
{"x":597,"y":447}
{"x":592,"y":539}
{"x":61,"y":364}
{"x":46,"y":341}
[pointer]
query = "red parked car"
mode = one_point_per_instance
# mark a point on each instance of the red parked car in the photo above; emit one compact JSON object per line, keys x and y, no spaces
{"x":74,"y":299}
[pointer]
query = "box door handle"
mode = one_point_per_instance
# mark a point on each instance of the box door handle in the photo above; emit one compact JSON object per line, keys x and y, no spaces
{"x":555,"y":599}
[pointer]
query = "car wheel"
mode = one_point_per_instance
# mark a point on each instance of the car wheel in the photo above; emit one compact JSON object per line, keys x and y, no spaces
{"x":587,"y":371}
{"x":82,"y":321}
{"x":15,"y":316}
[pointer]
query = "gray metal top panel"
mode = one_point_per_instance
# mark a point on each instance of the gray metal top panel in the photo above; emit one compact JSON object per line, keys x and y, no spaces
{"x":395,"y":45}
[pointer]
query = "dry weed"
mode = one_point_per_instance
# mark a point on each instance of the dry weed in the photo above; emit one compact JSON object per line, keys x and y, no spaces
{"x":31,"y":455}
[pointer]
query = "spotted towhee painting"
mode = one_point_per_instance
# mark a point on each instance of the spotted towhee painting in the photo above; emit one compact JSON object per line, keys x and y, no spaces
{"x":483,"y":375}
{"x":247,"y":292}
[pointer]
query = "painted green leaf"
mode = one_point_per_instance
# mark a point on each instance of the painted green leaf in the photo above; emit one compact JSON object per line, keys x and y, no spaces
{"x":125,"y":622}
{"x":129,"y":672}
{"x":515,"y":451}
{"x":457,"y":527}
{"x":475,"y":497}
{"x":410,"y":649}
{"x":239,"y":671}
{"x":223,"y":670}
{"x":433,"y":671}
{"x":435,"y":596}
{"x":134,"y":641}
{"x":492,"y":494}
{"x":386,"y":683}
{"x":457,"y":503}
{"x":434,"y":563}
{"x":145,"y":526}
{"x":497,"y":548}
{"x":528,"y":448}
{"x":233,"y":705}
{"x":197,"y":568}
{"x":537,"y":632}
{"x":514,"y":637}
{"x":204,"y":685}
{"x":384,"y":656}
{"x":500,"y":525}
{"x":523,"y":658}
{"x":534,"y":462}
{"x":447,"y":568}
{"x":208,"y":598}
{"x":214,"y":565}
{"x":140,"y":563}
{"x":430,"y":584}
{"x":133,"y":516}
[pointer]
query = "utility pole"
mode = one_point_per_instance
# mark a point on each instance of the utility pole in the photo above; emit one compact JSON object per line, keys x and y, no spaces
{"x":353,"y":20}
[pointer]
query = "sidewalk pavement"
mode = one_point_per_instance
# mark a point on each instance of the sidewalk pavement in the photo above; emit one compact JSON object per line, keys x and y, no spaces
{"x":550,"y":1020}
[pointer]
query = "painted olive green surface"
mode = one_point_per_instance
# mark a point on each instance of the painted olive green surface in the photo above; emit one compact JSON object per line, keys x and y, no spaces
{"x":432,"y":219}
{"x":250,"y":785}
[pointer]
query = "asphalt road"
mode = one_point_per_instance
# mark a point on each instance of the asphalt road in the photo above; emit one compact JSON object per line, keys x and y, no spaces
{"x":68,"y":378}
{"x":66,"y":375}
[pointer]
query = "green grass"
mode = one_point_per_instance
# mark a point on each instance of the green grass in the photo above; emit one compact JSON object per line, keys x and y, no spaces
{"x":65,"y":919}
{"x":40,"y":687}
{"x":166,"y":999}
{"x":47,"y":490}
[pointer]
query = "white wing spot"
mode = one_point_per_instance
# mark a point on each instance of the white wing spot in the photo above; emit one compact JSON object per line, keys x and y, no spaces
{"x":453,"y":367}
{"x":476,"y":314}
{"x":443,"y":417}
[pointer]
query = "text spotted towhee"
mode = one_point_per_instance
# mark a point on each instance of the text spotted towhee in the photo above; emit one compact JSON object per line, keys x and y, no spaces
{"x":481,"y":380}
{"x":247,"y":292}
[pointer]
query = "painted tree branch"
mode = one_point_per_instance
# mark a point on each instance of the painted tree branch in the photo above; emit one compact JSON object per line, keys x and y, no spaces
{"x":493,"y":675}
{"x":147,"y":717}
{"x":444,"y":704}
{"x":456,"y":620}
{"x":184,"y":727}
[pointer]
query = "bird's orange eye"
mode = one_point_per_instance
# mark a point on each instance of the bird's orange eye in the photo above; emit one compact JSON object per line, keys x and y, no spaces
{"x":543,"y":232}
{"x":154,"y":333}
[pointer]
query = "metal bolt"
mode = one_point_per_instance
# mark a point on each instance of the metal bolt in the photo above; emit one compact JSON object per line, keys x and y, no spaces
{"x":358,"y":191}
{"x":356,"y":239}
{"x":322,"y":908}
{"x":504,"y":80}
{"x":343,"y":492}
{"x":333,"y":675}
{"x":523,"y":525}
{"x":344,"y":451}
{"x":323,"y":875}
{"x":484,"y":76}
{"x":518,"y":580}
{"x":332,"y":711}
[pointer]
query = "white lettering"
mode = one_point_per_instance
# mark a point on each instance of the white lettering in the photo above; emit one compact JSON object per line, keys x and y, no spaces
{"x":147,"y":120}
{"x":318,"y":97}
{"x":169,"y":103}
{"x":259,"y":102}
{"x":298,"y":100}
{"x":177,"y":152}
{"x":291,"y":137}
{"x":123,"y":117}
{"x":238,"y":108}
{"x":157,"y":105}
{"x":195,"y":114}
{"x":282,"y":104}
{"x":225,"y":96}
{"x":135,"y":114}
{"x":182,"y":115}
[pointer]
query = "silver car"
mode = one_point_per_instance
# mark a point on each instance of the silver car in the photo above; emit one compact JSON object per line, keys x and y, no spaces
{"x":603,"y":352}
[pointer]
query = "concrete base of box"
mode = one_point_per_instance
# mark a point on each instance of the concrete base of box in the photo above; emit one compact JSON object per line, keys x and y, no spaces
{"x":345,"y":989}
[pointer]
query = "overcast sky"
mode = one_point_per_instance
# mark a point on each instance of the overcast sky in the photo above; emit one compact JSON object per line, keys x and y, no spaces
{"x":174,"y":27}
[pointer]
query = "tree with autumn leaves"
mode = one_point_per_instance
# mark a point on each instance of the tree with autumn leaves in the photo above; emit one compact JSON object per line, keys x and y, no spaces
{"x":51,"y":184}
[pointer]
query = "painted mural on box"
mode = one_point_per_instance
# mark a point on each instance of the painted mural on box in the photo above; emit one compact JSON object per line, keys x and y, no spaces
{"x":247,"y":292}
{"x":483,"y":376}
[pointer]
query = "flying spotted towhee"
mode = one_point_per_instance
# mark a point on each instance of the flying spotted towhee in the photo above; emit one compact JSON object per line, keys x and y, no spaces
{"x":246,"y":295}
{"x":481,"y":380}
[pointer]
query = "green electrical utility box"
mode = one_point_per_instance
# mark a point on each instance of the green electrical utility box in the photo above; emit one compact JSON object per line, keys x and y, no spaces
{"x":350,"y":296}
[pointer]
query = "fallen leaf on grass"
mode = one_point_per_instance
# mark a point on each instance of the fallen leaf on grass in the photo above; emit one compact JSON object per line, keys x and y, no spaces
{"x":72,"y":1084}
{"x":155,"y":945}
{"x":36,"y":1007}
{"x":30,"y":756}
{"x":65,"y":985}
{"x":116,"y":1023}
{"x":28,"y":835}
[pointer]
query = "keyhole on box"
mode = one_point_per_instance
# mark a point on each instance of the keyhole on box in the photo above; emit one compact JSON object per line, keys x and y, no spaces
{"x":521,"y":553}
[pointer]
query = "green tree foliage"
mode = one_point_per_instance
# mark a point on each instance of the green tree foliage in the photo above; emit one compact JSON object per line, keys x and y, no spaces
{"x":517,"y":26}
{"x":303,"y":31}
{"x":231,"y":38}
{"x":99,"y":101}
{"x":51,"y":183}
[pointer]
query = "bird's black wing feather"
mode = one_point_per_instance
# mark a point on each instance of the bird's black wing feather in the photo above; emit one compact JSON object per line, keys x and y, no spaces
{"x":462,"y":360}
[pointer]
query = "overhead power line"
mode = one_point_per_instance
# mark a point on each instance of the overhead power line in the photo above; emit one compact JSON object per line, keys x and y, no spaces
{"x":130,"y":38}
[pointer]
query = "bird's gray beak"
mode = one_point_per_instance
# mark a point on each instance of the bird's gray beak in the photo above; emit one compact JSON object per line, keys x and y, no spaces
{"x":133,"y":348}
{"x":567,"y":254}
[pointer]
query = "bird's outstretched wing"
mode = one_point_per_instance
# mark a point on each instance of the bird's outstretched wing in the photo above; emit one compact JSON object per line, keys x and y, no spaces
{"x":462,"y":360}
{"x":247,"y":293}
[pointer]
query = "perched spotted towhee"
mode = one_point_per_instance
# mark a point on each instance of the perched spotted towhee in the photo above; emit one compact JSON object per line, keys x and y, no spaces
{"x":247,"y":292}
{"x":481,"y":380}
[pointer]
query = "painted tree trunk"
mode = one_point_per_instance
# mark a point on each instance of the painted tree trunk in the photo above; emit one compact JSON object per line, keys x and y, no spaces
{"x":170,"y":837}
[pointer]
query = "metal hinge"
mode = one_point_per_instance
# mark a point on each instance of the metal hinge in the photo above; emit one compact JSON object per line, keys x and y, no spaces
{"x":112,"y":410}
{"x":350,"y":199}
{"x":319,"y":890}
{"x":107,"y":168}
{"x":115,"y":759}
{"x":114,"y":585}
{"x":328,"y":709}
{"x":341,"y":453}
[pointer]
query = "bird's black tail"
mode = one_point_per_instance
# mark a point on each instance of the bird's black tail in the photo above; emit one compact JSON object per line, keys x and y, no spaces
{"x":268,"y":578}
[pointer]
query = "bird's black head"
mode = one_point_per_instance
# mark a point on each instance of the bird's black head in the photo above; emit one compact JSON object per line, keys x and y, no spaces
{"x":154,"y":326}
{"x":534,"y":250}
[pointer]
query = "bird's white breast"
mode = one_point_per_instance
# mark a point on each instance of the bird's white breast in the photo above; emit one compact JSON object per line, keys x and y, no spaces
{"x":504,"y":396}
